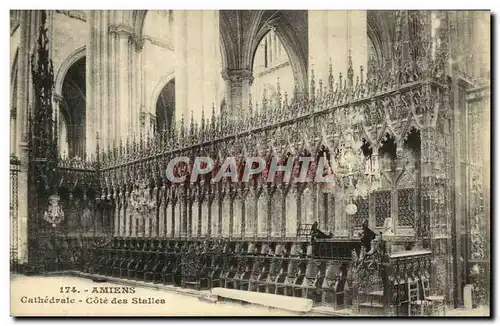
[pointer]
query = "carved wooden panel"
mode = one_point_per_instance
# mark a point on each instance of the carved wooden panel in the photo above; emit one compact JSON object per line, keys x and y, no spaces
{"x":307,"y":206}
{"x":361,"y":214}
{"x":188,"y":216}
{"x":123,"y":206}
{"x":276,"y":213}
{"x":161,"y":214}
{"x":169,"y":228}
{"x":128,"y":217}
{"x":262,"y":214}
{"x":178,"y":217}
{"x":382,"y":207}
{"x":116,"y":227}
{"x":251,"y":217}
{"x":237,"y":216}
{"x":132,"y":222}
{"x":406,"y":207}
{"x":214,"y":216}
{"x":291,"y":213}
{"x":226,"y":215}
{"x":204,"y":218}
{"x":195,"y":210}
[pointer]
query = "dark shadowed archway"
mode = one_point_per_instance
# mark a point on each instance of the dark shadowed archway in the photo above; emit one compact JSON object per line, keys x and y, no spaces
{"x":72,"y":110}
{"x":165,"y":107}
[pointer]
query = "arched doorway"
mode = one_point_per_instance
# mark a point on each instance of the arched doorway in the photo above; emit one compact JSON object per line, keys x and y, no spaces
{"x":165,"y":107}
{"x":72,"y":111}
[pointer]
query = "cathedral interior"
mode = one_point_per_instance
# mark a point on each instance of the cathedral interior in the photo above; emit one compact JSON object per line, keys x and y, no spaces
{"x":397,"y":101}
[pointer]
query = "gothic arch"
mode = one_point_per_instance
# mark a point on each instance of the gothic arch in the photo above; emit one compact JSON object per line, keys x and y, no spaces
{"x":291,"y":44}
{"x":138,"y":18}
{"x":228,"y":51}
{"x":139,"y":21}
{"x":242,"y":30}
{"x":13,"y":101}
{"x":70,"y":60}
{"x":380,"y":33}
{"x":13,"y":73}
{"x":164,"y":103}
{"x":72,"y":106}
{"x":159,"y":87}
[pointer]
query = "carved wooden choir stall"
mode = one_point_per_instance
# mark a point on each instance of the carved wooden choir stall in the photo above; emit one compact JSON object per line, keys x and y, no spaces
{"x":385,"y":135}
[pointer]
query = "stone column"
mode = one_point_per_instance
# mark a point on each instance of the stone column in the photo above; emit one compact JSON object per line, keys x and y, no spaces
{"x":482,"y":21}
{"x":113,"y":75}
{"x":195,"y":63}
{"x":139,"y":102}
{"x":142,"y":84}
{"x":57,"y":99}
{"x":90,"y":129}
{"x":97,"y":85}
{"x":28,"y":35}
{"x":105,"y":58}
{"x":181,"y":77}
{"x":135,"y":120}
{"x":13,"y":128}
{"x":123,"y":81}
{"x":101,"y":81}
{"x":136,"y":87}
{"x":211,"y":59}
{"x":436,"y":195}
{"x":238,"y":87}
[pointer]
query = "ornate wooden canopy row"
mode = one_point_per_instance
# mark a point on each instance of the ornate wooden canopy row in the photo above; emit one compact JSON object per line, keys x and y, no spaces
{"x":380,"y":104}
{"x":385,"y":101}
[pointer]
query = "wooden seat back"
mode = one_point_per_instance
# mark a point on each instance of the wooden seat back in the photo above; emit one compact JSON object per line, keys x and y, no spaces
{"x":304,"y":230}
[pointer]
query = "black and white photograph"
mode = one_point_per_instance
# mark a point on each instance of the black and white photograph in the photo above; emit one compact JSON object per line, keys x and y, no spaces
{"x":220,"y":163}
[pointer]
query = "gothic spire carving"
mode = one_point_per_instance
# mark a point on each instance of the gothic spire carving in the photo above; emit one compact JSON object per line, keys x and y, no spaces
{"x":43,"y":136}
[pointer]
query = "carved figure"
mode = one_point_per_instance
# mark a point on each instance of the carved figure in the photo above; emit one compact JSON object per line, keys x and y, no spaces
{"x":141,"y":201}
{"x":54,"y":214}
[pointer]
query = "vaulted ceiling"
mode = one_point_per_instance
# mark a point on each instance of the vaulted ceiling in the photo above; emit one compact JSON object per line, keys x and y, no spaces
{"x":242,"y":30}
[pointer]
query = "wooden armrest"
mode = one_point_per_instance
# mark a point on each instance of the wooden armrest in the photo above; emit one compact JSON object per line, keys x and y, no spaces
{"x":435,"y":298}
